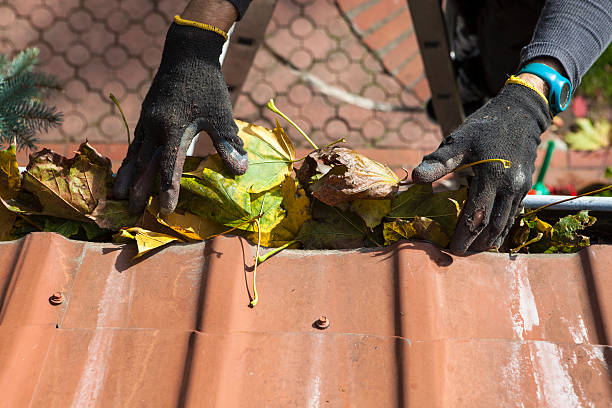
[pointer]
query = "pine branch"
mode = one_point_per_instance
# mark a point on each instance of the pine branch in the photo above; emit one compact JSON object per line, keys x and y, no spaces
{"x":15,"y":91}
{"x":40,"y":117}
{"x":4,"y":62}
{"x":23,"y":62}
{"x":23,"y":113}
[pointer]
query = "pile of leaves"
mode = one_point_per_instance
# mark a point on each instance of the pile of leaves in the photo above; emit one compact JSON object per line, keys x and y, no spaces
{"x":337,"y":198}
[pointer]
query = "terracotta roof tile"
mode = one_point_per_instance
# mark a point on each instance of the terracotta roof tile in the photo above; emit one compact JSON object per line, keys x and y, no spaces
{"x":410,"y":326}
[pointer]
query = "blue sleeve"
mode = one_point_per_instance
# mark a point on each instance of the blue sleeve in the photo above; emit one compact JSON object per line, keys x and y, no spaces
{"x":575,"y":32}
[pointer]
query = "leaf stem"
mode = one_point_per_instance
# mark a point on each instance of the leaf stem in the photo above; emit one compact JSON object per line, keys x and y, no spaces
{"x":524,"y":244}
{"x":567,"y":199}
{"x":255,"y":299}
{"x":275,"y":251}
{"x":29,"y":221}
{"x":270,"y":105}
{"x":127,"y":128}
{"x":341,"y":140}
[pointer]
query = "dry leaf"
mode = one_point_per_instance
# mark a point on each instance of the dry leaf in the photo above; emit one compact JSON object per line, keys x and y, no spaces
{"x":80,"y":182}
{"x":336,"y":175}
{"x":145,"y":239}
{"x":419,"y":227}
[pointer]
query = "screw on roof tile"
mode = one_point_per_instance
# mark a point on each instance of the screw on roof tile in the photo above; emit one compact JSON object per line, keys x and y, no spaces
{"x":322,"y":323}
{"x":57,"y":298}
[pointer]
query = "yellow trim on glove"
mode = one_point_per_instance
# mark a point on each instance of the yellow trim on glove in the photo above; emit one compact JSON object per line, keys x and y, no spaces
{"x":181,"y":21}
{"x":516,"y":80}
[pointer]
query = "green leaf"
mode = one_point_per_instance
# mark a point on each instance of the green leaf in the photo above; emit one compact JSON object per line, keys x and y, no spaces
{"x":269,"y":202}
{"x":297,"y":211}
{"x":113,"y":215}
{"x":67,"y":228}
{"x":7,"y":220}
{"x":223,"y":200}
{"x":562,"y":237}
{"x":271,"y":155}
{"x":93,"y":231}
{"x":332,"y":228}
{"x":565,"y":230}
{"x":589,"y":136}
{"x":10,"y":179}
{"x":10,"y":182}
{"x":420,"y":201}
{"x":216,"y":198}
{"x":420,"y":227}
{"x":371,"y":211}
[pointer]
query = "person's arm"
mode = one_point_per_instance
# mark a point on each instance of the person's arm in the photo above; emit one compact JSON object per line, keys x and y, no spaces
{"x":188,"y":94}
{"x":220,"y":13}
{"x":570,"y":35}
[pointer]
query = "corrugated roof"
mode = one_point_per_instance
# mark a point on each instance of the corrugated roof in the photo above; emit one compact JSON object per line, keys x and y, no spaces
{"x":410,"y":326}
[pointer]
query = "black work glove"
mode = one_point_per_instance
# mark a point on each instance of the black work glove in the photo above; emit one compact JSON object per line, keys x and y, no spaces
{"x":188,"y":94}
{"x":507,"y":127}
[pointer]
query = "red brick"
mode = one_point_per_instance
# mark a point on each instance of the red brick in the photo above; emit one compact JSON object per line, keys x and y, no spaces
{"x":117,"y":151}
{"x":376,"y":13}
{"x":411,"y":71}
{"x":347,"y":5}
{"x":598,"y":158}
{"x":421,"y":89}
{"x":390,"y":31}
{"x":558,"y":159}
{"x":579,"y":178}
{"x":393,"y":157}
{"x":401,"y":52}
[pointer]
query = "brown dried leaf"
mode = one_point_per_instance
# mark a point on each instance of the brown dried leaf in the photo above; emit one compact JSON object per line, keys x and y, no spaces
{"x":342,"y":175}
{"x":68,"y":184}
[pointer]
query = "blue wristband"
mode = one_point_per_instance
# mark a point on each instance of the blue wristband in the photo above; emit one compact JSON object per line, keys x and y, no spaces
{"x":560,"y":87}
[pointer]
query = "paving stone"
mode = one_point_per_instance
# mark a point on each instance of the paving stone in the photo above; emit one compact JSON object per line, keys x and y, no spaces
{"x":115,"y":47}
{"x":7,"y":16}
{"x":97,"y":38}
{"x":41,"y":17}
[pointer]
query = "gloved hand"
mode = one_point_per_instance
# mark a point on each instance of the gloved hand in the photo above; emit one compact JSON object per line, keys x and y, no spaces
{"x":507,"y":127}
{"x":188,"y":94}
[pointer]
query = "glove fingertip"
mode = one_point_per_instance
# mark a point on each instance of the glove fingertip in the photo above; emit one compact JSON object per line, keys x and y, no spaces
{"x":167,"y":202}
{"x":428,"y":172}
{"x":237,"y":162}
